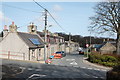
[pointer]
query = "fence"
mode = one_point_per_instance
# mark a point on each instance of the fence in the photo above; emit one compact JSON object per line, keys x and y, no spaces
{"x":12,"y":55}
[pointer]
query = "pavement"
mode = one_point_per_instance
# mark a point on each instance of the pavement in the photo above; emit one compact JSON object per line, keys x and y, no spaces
{"x":96,"y":65}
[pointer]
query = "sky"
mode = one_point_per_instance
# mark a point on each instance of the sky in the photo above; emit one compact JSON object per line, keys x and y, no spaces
{"x":72,"y":16}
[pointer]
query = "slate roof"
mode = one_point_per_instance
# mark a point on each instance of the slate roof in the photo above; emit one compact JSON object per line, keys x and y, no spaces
{"x":25,"y":37}
{"x":42,"y":34}
{"x":101,"y":45}
{"x":52,"y":40}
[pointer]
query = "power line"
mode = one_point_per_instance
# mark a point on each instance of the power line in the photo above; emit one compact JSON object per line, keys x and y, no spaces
{"x":51,"y":16}
{"x":20,"y":8}
{"x":39,"y":5}
{"x":57,"y":22}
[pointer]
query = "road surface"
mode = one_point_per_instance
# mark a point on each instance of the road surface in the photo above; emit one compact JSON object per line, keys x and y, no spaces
{"x":71,"y":68}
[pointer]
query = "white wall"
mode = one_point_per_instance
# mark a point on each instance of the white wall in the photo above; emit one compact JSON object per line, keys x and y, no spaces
{"x":15,"y":45}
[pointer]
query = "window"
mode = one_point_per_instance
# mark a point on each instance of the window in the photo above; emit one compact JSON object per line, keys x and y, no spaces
{"x":35,"y":41}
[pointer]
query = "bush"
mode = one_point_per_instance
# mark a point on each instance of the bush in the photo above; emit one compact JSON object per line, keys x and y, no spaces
{"x":105,"y":60}
{"x":110,"y":64}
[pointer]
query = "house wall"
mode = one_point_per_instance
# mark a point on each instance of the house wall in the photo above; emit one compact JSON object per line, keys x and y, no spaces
{"x":71,"y":47}
{"x":35,"y":54}
{"x":0,"y":38}
{"x":108,"y":48}
{"x":42,"y":54}
{"x":62,"y":47}
{"x":52,"y":49}
{"x":13,"y":47}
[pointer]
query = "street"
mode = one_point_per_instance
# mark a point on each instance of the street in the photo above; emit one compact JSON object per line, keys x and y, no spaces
{"x":75,"y":60}
{"x":70,"y":67}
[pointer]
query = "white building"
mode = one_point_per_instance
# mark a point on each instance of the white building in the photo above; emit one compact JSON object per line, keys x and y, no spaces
{"x":28,"y":46}
{"x":20,"y":45}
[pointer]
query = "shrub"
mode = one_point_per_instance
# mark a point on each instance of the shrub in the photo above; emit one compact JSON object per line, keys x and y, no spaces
{"x":103,"y":59}
{"x":106,"y":60}
{"x":110,"y":64}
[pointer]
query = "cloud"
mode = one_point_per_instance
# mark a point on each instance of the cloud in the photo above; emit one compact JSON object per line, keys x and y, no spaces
{"x":57,"y":8}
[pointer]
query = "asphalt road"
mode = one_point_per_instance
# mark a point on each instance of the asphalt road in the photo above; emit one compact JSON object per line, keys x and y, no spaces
{"x":37,"y":71}
{"x":75,"y":60}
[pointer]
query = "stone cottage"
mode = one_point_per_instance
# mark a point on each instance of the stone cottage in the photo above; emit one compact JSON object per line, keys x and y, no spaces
{"x":108,"y":47}
{"x":21,"y":45}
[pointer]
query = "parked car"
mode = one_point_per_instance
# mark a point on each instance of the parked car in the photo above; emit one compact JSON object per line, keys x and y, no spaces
{"x":51,"y":57}
{"x":81,"y":51}
{"x":48,"y":61}
{"x":61,"y":52}
{"x":57,"y":56}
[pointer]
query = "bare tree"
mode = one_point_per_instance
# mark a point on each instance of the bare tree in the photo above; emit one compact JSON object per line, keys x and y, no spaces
{"x":107,"y":20}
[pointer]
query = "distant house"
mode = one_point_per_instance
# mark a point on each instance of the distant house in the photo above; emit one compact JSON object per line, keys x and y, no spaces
{"x":108,"y":47}
{"x":54,"y":42}
{"x":71,"y":46}
{"x":21,"y":45}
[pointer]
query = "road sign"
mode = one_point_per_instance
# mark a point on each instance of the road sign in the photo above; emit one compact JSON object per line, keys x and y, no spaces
{"x":87,"y":45}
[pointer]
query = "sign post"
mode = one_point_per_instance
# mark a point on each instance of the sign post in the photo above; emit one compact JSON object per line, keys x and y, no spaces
{"x":87,"y":45}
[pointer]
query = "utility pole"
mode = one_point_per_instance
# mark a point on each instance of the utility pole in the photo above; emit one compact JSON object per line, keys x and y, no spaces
{"x":90,"y":42}
{"x":87,"y":47}
{"x":69,"y":42}
{"x":45,"y":36}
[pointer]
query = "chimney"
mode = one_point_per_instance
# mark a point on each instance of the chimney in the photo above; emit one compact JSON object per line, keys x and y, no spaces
{"x":104,"y":40}
{"x":32,"y":28}
{"x":12,"y":23}
{"x":13,"y":27}
{"x":5,"y":31}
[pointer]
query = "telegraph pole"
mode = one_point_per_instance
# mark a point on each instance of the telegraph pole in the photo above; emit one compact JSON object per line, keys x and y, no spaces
{"x":69,"y":42}
{"x":87,"y":47}
{"x":45,"y":36}
{"x":90,"y":42}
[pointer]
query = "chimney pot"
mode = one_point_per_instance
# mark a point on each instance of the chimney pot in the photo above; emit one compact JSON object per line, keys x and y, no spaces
{"x":31,"y":23}
{"x":5,"y":27}
{"x":13,"y":23}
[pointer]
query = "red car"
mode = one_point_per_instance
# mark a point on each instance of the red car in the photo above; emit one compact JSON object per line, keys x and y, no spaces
{"x":57,"y":56}
{"x":48,"y":61}
{"x":81,"y":52}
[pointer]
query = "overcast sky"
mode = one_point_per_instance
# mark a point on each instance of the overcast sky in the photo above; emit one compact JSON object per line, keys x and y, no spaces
{"x":72,"y":16}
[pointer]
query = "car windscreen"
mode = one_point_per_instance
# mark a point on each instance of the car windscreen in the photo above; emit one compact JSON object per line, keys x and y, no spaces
{"x":58,"y":53}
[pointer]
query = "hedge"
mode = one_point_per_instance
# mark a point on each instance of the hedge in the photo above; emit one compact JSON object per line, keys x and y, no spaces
{"x":105,"y":60}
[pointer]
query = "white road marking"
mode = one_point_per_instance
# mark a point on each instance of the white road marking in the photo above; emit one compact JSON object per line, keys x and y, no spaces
{"x":83,"y":67}
{"x":22,"y":67}
{"x":30,"y":69}
{"x":76,"y":66}
{"x":103,"y":70}
{"x":70,"y":59}
{"x":37,"y":70}
{"x":37,"y":75}
{"x":89,"y":68}
{"x":95,"y":76}
{"x":97,"y":69}
{"x":73,"y":63}
{"x":86,"y":74}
